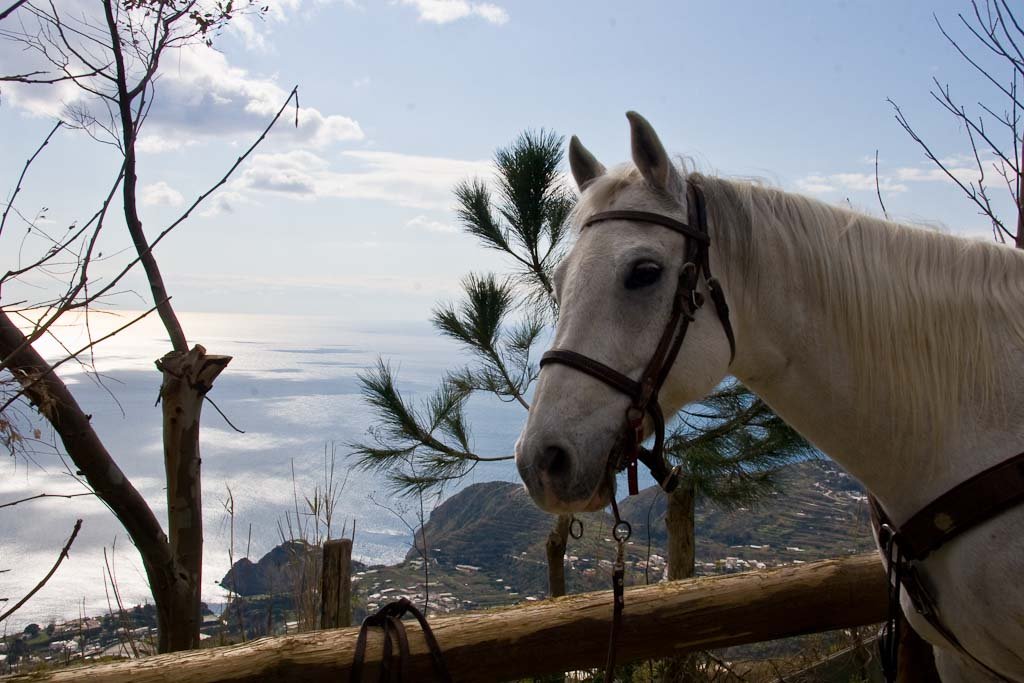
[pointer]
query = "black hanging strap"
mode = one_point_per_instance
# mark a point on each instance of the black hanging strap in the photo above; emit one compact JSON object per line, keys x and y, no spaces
{"x":389,"y":618}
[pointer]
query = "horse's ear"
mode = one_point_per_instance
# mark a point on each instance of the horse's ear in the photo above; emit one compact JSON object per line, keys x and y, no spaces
{"x":650,"y":157}
{"x":585,"y":167}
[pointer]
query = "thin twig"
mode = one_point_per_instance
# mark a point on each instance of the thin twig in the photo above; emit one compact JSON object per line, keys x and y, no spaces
{"x":878,"y":188}
{"x":46,"y":495}
{"x":39,"y":586}
{"x":221,"y":412}
{"x":24,"y":170}
{"x":981,"y":200}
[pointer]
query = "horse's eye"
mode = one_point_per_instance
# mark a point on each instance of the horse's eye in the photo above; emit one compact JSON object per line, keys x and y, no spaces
{"x":643,"y":274}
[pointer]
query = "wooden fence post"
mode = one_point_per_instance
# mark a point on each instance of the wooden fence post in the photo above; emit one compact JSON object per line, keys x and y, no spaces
{"x":336,"y":584}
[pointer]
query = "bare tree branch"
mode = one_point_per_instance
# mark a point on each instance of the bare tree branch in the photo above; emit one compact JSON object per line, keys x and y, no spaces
{"x":45,"y":495}
{"x":24,"y":170}
{"x":28,"y":384}
{"x":979,"y":198}
{"x":7,"y":12}
{"x":878,"y":189}
{"x":51,"y":397}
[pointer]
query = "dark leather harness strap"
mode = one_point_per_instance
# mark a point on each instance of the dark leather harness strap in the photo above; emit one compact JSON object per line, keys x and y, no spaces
{"x":595,"y":369}
{"x":963,"y":507}
{"x":389,"y":618}
{"x":648,"y":217}
{"x":982,"y":497}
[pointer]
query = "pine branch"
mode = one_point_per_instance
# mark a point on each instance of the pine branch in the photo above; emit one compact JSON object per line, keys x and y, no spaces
{"x":473,"y":201}
{"x":478,"y":324}
{"x":406,"y":439}
{"x":734,"y":449}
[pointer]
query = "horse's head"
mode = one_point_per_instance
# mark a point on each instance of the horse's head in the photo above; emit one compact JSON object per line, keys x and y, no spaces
{"x":615,"y":291}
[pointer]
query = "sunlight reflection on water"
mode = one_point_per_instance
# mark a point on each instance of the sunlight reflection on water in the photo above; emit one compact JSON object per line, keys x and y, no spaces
{"x":292,"y":386}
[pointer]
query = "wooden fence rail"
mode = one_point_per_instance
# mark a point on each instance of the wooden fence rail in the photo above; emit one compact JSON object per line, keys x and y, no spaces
{"x":554,"y":635}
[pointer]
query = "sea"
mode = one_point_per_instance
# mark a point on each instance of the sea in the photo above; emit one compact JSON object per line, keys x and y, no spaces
{"x":293,"y":390}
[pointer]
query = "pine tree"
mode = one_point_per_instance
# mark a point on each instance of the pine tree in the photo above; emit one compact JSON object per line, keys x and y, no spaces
{"x":498,"y":321}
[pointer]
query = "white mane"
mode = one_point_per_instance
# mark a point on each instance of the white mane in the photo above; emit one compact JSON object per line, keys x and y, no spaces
{"x":909,"y":302}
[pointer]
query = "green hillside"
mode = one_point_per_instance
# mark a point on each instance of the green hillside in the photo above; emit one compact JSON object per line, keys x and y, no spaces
{"x":486,"y":543}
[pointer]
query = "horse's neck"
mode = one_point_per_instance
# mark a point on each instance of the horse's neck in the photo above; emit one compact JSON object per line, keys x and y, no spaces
{"x":793,"y":359}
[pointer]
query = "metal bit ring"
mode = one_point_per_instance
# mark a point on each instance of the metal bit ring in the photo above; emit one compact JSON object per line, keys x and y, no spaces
{"x":576,"y":528}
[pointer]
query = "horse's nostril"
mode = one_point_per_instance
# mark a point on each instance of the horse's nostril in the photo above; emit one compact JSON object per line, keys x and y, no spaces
{"x":553,"y":461}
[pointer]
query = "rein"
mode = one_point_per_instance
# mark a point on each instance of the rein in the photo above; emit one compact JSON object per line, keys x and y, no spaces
{"x":643,"y":392}
{"x":389,"y":618}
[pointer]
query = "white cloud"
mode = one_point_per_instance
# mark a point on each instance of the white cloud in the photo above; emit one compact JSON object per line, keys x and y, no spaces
{"x":201,"y":95}
{"x":492,"y":13}
{"x":847,"y":182}
{"x":352,"y":286}
{"x":967,"y":159}
{"x":361,"y":82}
{"x":815,"y":184}
{"x":403,"y":179}
{"x":424,"y":223}
{"x":897,"y":181}
{"x":255,"y":29}
{"x":447,"y":11}
{"x":965,"y":174}
{"x":224,"y":201}
{"x":155,"y":144}
{"x":160,"y":194}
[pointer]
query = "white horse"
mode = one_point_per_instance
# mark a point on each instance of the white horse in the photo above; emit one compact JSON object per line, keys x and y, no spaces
{"x":899,"y":352}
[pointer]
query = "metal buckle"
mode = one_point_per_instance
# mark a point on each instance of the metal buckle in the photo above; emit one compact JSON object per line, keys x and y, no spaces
{"x":622,"y":531}
{"x":671,"y":480}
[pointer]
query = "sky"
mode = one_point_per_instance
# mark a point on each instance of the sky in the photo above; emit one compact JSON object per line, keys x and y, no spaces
{"x":336,"y":238}
{"x":350,"y":214}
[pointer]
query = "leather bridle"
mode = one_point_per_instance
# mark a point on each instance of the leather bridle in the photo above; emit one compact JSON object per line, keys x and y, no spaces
{"x":643,"y":392}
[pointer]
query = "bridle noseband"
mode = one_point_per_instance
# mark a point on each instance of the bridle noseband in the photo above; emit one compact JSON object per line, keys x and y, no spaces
{"x":644,"y":391}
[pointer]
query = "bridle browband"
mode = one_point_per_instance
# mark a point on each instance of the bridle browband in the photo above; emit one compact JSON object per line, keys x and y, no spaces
{"x":685,"y":304}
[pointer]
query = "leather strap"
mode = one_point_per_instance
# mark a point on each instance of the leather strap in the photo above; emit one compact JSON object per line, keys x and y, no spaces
{"x":982,"y":497}
{"x":963,"y":507}
{"x":595,"y":369}
{"x":618,"y":603}
{"x":389,"y":617}
{"x":648,"y":217}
